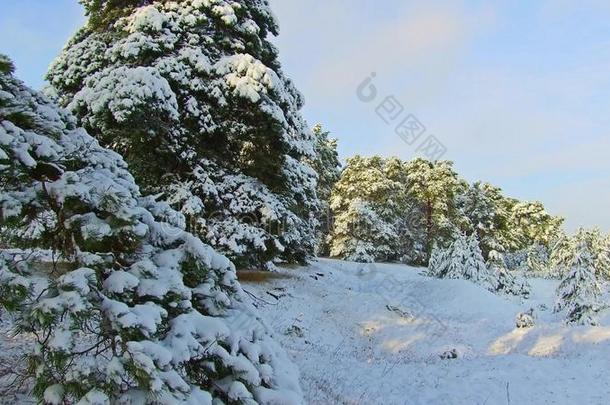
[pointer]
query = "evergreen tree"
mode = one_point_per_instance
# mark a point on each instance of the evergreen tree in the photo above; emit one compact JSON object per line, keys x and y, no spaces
{"x":328,"y":167}
{"x":599,"y":248}
{"x":486,"y":212}
{"x":192,"y":94}
{"x":579,"y":291}
{"x":463,"y":260}
{"x":435,"y":186}
{"x":369,"y":204}
{"x":425,"y":204}
{"x":563,"y":251}
{"x":603,"y":265}
{"x":475,"y":268}
{"x":537,"y":261}
{"x":507,"y":283}
{"x":361,"y":235}
{"x":445,"y":262}
{"x":532,"y":224}
{"x":560,"y":256}
{"x":437,"y":262}
{"x":135,"y":309}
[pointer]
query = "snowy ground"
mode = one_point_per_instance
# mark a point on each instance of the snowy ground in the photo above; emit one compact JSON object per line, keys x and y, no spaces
{"x":374,"y":334}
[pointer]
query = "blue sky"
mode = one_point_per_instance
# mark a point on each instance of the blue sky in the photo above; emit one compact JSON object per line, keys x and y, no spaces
{"x":517,"y":91}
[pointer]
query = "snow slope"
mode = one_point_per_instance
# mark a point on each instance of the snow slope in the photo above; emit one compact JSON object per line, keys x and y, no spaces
{"x":374,"y":334}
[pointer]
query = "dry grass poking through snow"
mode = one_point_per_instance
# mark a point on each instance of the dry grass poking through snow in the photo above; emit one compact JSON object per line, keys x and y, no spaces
{"x":256,"y":276}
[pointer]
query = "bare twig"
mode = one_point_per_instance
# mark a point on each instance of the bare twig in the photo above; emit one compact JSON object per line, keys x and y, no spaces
{"x":255,"y":297}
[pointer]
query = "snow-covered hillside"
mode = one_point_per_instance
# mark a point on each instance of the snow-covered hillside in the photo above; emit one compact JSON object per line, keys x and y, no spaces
{"x":383,"y":334}
{"x":377,"y":334}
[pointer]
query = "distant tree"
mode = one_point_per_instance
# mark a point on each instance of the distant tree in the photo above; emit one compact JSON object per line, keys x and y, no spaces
{"x":579,"y":291}
{"x":563,"y":251}
{"x":361,"y":235}
{"x":599,"y":246}
{"x":487,"y":214}
{"x":561,"y":255}
{"x":537,"y":261}
{"x":463,"y":260}
{"x":507,"y":282}
{"x":426,"y":204}
{"x":326,"y":164}
{"x":531,"y":224}
{"x":434,"y":186}
{"x":368,"y":203}
{"x":602,"y":258}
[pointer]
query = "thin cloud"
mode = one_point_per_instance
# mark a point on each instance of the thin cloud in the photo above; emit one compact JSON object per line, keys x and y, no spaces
{"x":420,"y":38}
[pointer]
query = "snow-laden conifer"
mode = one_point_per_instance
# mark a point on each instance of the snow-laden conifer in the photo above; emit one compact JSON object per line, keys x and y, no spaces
{"x":368,"y":204}
{"x":361,"y":235}
{"x":192,"y":94}
{"x":579,"y":292}
{"x":463,"y":260}
{"x":326,"y":164}
{"x":506,"y":281}
{"x":133,"y":309}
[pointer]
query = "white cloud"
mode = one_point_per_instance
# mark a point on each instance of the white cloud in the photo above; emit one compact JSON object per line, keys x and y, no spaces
{"x":348,"y":45}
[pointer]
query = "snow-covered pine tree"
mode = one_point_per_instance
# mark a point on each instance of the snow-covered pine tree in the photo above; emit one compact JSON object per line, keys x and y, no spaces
{"x":134,"y":309}
{"x":434,"y":186}
{"x":361,"y":235}
{"x":599,"y":248}
{"x":369,"y":203}
{"x":531,"y":224}
{"x":537,"y":261}
{"x":475,"y":268}
{"x":560,"y":256}
{"x":328,"y":167}
{"x":437,"y":263}
{"x":563,"y":249}
{"x":507,"y":282}
{"x":463,"y":260}
{"x":603,"y":259}
{"x":457,"y":257}
{"x":192,"y":94}
{"x":486,"y":211}
{"x":579,"y":291}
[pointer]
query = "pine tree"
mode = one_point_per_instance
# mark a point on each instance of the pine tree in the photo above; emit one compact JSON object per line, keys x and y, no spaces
{"x":426,"y":204}
{"x":135,"y":309}
{"x":537,"y":261}
{"x":328,"y":167}
{"x":532,"y":224}
{"x":475,"y":268}
{"x":191,"y":93}
{"x":486,"y":211}
{"x":507,"y":283}
{"x":463,"y":260}
{"x":437,"y":262}
{"x":435,"y":186}
{"x":561,"y":255}
{"x":579,"y":291}
{"x":369,"y":203}
{"x":361,"y":235}
{"x":563,"y":250}
{"x":599,"y":248}
{"x":603,"y":259}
